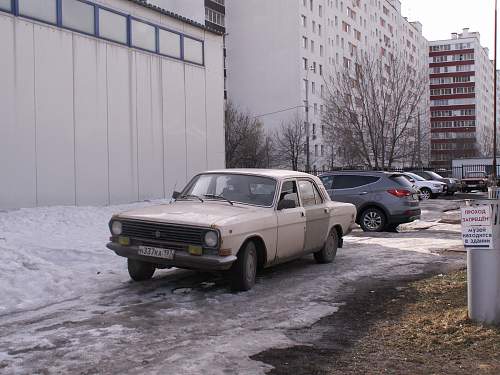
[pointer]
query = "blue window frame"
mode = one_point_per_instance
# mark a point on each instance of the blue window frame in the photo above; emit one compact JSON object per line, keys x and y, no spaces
{"x":169,"y":43}
{"x":40,"y":10}
{"x":89,"y":18}
{"x":6,"y":5}
{"x":78,"y":16}
{"x":193,"y":50}
{"x":143,"y":35}
{"x":113,"y":26}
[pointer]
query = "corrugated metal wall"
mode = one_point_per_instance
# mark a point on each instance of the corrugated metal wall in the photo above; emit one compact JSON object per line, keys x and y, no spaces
{"x":87,"y":122}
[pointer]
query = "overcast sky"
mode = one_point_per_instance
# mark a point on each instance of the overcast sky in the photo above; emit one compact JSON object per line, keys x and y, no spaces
{"x":442,"y":17}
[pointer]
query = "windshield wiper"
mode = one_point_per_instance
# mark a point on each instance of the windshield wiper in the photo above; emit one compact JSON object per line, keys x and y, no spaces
{"x":218,"y":197}
{"x":191,"y":196}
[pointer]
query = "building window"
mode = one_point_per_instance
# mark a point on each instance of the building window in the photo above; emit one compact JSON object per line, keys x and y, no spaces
{"x":39,"y":10}
{"x":170,"y":44}
{"x":304,"y":20}
{"x":193,"y":50}
{"x":313,"y":87}
{"x":320,"y":10}
{"x":78,"y":16}
{"x":312,"y":45}
{"x":112,"y":26}
{"x":215,"y":17}
{"x":143,"y":36}
{"x":305,"y":63}
{"x":313,"y":26}
{"x":304,"y":42}
{"x":6,"y":5}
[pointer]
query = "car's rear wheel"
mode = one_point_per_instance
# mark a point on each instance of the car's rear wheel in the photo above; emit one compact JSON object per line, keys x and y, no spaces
{"x":244,"y":269}
{"x":372,"y":220}
{"x":329,"y":251}
{"x":425,"y":193}
{"x":139,"y":270}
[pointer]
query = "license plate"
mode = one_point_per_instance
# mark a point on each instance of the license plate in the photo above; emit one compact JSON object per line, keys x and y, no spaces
{"x":156,"y":252}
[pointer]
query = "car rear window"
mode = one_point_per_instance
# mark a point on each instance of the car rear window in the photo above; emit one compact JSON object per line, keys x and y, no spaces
{"x":401,"y":180}
{"x":352,"y":181}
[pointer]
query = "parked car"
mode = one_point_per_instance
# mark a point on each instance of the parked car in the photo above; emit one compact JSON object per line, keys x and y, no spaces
{"x":474,"y":181}
{"x":428,"y":188}
{"x":383,"y":200}
{"x":234,"y":220}
{"x":452,"y":184}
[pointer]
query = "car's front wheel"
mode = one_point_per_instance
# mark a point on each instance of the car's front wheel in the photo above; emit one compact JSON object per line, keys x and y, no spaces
{"x":140,"y":271}
{"x":329,"y":251}
{"x":244,"y":269}
{"x":425,"y":194}
{"x":372,"y":220}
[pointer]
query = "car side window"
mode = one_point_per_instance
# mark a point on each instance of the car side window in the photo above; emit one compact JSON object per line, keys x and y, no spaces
{"x":289,"y":191}
{"x":309,"y":194}
{"x":352,"y":181}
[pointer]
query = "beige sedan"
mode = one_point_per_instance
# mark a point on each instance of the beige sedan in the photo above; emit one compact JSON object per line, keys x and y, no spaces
{"x":239,"y":220}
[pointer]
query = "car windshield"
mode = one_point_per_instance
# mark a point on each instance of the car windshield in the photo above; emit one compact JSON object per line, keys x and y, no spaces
{"x":238,"y":188}
{"x":415,"y":177}
{"x":434,"y":175}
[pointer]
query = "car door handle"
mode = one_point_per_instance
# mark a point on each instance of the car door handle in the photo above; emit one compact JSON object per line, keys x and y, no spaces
{"x":327,"y":210}
{"x":363,"y":193}
{"x":302,"y":214}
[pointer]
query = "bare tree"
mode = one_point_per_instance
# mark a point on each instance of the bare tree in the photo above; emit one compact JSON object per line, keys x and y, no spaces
{"x":372,"y":109}
{"x":247,"y":145}
{"x":289,"y":143}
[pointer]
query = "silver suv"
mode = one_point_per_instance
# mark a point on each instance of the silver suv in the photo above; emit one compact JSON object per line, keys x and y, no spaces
{"x":383,"y":200}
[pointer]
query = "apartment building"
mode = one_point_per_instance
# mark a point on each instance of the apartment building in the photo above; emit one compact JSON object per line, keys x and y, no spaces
{"x":105,"y":102}
{"x":461,"y":93}
{"x":295,"y":45}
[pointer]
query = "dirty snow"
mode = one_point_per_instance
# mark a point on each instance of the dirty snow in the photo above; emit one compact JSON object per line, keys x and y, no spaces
{"x":67,"y":305}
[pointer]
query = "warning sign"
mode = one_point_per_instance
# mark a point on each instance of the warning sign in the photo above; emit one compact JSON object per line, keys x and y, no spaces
{"x":476,"y":227}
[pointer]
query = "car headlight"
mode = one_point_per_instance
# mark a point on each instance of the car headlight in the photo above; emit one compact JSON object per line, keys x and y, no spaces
{"x":211,"y":239}
{"x":436,"y":185}
{"x":116,"y":228}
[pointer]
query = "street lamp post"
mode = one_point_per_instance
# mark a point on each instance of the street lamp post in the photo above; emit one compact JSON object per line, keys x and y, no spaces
{"x":308,"y":155}
{"x":495,"y":101}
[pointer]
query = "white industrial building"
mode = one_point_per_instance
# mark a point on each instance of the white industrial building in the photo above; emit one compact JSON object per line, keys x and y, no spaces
{"x":105,"y":101}
{"x":272,"y":46}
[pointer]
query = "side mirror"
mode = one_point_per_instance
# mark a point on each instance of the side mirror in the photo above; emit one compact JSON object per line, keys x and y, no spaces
{"x":285,"y":204}
{"x":176,"y":194}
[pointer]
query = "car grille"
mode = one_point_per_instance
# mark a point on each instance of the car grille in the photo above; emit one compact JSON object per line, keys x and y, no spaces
{"x":158,"y":232}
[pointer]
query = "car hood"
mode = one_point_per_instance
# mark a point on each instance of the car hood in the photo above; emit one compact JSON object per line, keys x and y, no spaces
{"x":208,"y":213}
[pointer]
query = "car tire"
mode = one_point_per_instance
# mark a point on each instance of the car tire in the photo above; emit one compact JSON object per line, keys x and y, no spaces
{"x":372,"y":220}
{"x":329,"y":251}
{"x":244,"y":269}
{"x":425,"y":193}
{"x":392,"y":228}
{"x":139,"y":270}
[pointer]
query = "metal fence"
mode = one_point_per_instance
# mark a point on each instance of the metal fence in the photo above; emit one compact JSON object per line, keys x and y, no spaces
{"x":457,"y":172}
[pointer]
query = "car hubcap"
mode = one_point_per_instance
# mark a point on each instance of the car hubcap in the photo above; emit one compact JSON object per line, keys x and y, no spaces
{"x":425,"y":194}
{"x":372,"y":220}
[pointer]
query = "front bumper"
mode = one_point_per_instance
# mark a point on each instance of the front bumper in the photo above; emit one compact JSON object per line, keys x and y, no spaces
{"x":406,"y":217}
{"x":181,"y":259}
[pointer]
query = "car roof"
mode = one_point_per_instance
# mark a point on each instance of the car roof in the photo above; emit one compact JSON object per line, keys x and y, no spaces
{"x":274,"y":173}
{"x":363,"y":173}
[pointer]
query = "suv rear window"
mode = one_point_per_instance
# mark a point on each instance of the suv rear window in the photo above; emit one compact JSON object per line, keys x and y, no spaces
{"x":345,"y":181}
{"x":401,"y":180}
